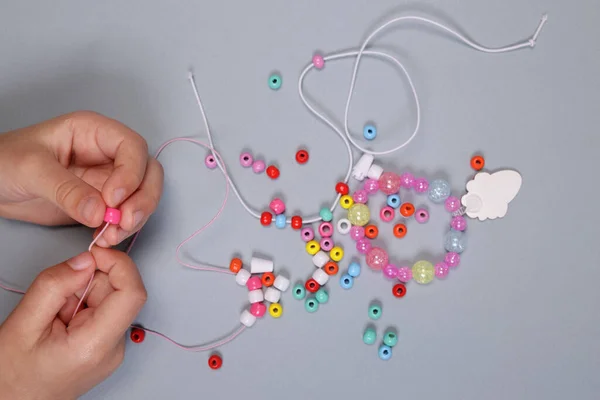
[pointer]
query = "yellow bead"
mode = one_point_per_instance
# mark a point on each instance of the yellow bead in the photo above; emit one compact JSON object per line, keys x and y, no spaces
{"x":312,"y":247}
{"x":346,"y":201}
{"x":336,"y":254}
{"x":275,"y":310}
{"x":423,"y":272}
{"x":359,"y":214}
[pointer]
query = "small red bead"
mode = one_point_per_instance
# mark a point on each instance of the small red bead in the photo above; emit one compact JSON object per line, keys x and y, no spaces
{"x":137,"y":335}
{"x":266,"y":218}
{"x":399,"y":290}
{"x":302,"y":156}
{"x":296,"y":222}
{"x":342,"y":188}
{"x":215,"y":361}
{"x":311,"y":285}
{"x":273,"y":172}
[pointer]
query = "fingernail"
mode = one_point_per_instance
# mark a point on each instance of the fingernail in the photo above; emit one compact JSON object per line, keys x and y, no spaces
{"x":122,"y":235}
{"x":81,"y":262}
{"x":118,"y":196}
{"x":138,"y":216}
{"x":87,"y":208}
{"x":102,"y":242}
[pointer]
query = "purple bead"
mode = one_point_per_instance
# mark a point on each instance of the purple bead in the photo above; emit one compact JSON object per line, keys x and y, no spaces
{"x":377,"y":258}
{"x":459,"y":223}
{"x":441,"y":270}
{"x":422,"y":215}
{"x":307,"y":234}
{"x":360,"y":196}
{"x":452,"y":259}
{"x":389,"y":183}
{"x":258,"y":166}
{"x":404,"y":274}
{"x":371,"y":186}
{"x":452,"y":204}
{"x":390,"y":271}
{"x":326,"y":244}
{"x":357,"y":232}
{"x":210,"y":162}
{"x":407,"y":180}
{"x":421,"y":185}
{"x":363,"y":245}
{"x":246,"y":160}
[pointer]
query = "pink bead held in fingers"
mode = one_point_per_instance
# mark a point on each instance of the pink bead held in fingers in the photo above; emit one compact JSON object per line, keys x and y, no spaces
{"x":112,"y":216}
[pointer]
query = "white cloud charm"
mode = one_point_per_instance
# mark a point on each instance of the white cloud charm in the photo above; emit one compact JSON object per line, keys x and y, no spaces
{"x":488,"y":195}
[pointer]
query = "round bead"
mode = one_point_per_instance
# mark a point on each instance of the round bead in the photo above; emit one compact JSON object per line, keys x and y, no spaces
{"x":370,"y":336}
{"x":318,"y":61}
{"x":371,"y":231}
{"x":299,"y":292}
{"x":336,"y":254}
{"x":342,"y":188}
{"x":346,"y":281}
{"x":311,"y":285}
{"x":441,"y":270}
{"x":404,"y":274}
{"x":247,"y":319}
{"x":235,"y":265}
{"x":420,"y":185}
{"x":331,"y":268}
{"x":277,"y":206}
{"x":393,"y":201}
{"x":313,"y":247}
{"x":307,"y":234}
{"x":210,"y":161}
{"x":280,"y":221}
{"x":399,"y":290}
{"x":452,"y":204}
{"x":112,"y":216}
{"x":360,"y":196}
{"x":400,"y":230}
{"x":385,"y":352}
{"x":389,"y":183}
{"x":258,"y":309}
{"x":371,"y":186}
{"x":452,"y":259}
{"x":455,"y":241}
{"x":296,"y":222}
{"x":322,"y":296}
{"x":377,"y":258}
{"x":241,"y":278}
{"x":326,"y":244}
{"x":363,"y":245}
{"x":266,"y":218}
{"x":258,"y":166}
{"x":344,"y":226}
{"x":215,"y":362}
{"x":422,"y":216}
{"x":357,"y":233}
{"x":275,"y":81}
{"x":275,"y":310}
{"x":326,"y":214}
{"x":346,"y":201}
{"x":386,"y":214}
{"x":311,"y":304}
{"x":407,"y":210}
{"x":302,"y":156}
{"x":458,"y":223}
{"x":439,"y":191}
{"x":325,"y":229}
{"x":273,"y":172}
{"x":423,"y":272}
{"x":369,"y":132}
{"x":137,"y":335}
{"x":359,"y":214}
{"x":354,"y":269}
{"x":267,"y":279}
{"x":375,"y":312}
{"x":246,"y":160}
{"x":390,"y":271}
{"x":407,"y":180}
{"x":477,"y":163}
{"x":254,"y":283}
{"x":390,"y":339}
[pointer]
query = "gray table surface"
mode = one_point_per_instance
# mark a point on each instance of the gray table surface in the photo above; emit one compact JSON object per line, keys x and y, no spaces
{"x":517,"y":320}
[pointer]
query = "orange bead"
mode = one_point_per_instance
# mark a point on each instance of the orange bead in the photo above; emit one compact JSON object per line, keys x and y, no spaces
{"x":371,"y":231}
{"x":267,"y":279}
{"x":477,"y":163}
{"x":235,"y":265}
{"x":407,"y":210}
{"x":400,"y":231}
{"x":331,"y":268}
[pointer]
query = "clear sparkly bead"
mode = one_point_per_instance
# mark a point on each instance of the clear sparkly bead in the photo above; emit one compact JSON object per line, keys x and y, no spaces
{"x":423,"y":272}
{"x":359,"y":214}
{"x":439,"y":191}
{"x":455,"y":241}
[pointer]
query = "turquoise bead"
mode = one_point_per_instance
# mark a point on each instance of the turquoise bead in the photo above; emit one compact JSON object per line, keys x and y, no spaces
{"x":370,"y":336}
{"x":370,"y":132}
{"x":326,"y":214}
{"x":299,"y":292}
{"x":390,"y":339}
{"x":455,"y":241}
{"x":311,"y":304}
{"x":280,"y":221}
{"x":375,"y":312}
{"x":275,"y":81}
{"x":346,"y":281}
{"x":354,"y":269}
{"x":439,"y":191}
{"x":322,"y":296}
{"x":385,"y":352}
{"x":393,"y":201}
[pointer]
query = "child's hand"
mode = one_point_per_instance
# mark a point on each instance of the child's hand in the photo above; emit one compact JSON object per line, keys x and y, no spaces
{"x":70,"y":168}
{"x":44,"y":354}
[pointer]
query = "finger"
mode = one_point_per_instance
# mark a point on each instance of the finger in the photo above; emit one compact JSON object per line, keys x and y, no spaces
{"x":99,"y":289}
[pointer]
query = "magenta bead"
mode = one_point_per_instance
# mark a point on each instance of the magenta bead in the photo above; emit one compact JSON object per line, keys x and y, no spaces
{"x":326,"y":244}
{"x":386,"y":214}
{"x":357,"y":233}
{"x":325,"y":229}
{"x":210,"y":162}
{"x":404,"y":274}
{"x":363,"y":245}
{"x":246,"y":160}
{"x":390,"y":271}
{"x":258,"y":309}
{"x":389,"y":183}
{"x":422,"y":215}
{"x":113,"y":216}
{"x":259,"y":166}
{"x":421,"y":185}
{"x":459,"y":223}
{"x":318,"y":61}
{"x":360,"y":196}
{"x":407,"y":180}
{"x":452,"y":204}
{"x":371,"y":186}
{"x":277,"y":206}
{"x":441,"y":270}
{"x":307,"y":234}
{"x":254,"y":283}
{"x":377,"y":258}
{"x":452,"y":259}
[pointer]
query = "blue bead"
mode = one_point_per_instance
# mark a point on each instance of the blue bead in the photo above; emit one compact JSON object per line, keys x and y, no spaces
{"x":299,"y":292}
{"x":370,"y":132}
{"x":393,"y":201}
{"x":326,"y":214}
{"x":275,"y":81}
{"x":280,"y":221}
{"x":322,"y":296}
{"x":311,"y":304}
{"x":346,"y":281}
{"x":354,"y":269}
{"x":439,"y":191}
{"x":455,"y":241}
{"x":385,"y":352}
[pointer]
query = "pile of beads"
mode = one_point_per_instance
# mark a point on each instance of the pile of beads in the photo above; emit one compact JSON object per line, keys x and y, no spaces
{"x":247,"y":161}
{"x":347,"y":280}
{"x":390,"y":339}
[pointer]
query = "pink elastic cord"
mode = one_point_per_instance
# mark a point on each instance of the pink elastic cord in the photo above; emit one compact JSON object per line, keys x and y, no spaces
{"x":213,"y":345}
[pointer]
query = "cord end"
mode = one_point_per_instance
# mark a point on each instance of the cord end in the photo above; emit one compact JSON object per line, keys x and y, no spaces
{"x":533,"y":39}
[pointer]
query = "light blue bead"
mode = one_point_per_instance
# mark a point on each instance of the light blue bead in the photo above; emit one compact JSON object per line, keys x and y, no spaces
{"x":299,"y":292}
{"x":275,"y":81}
{"x":311,"y":304}
{"x":346,"y":281}
{"x":354,"y":269}
{"x":455,"y":241}
{"x":385,"y":352}
{"x":439,"y":190}
{"x":322,"y":296}
{"x":390,"y":339}
{"x":370,"y":336}
{"x":370,"y":132}
{"x":326,"y":214}
{"x":393,"y":201}
{"x":280,"y":221}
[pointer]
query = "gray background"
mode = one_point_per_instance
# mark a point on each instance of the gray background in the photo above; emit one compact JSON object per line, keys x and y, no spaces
{"x":517,"y":320}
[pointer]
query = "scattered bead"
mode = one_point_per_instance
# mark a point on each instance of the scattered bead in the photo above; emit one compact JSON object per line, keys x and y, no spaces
{"x":299,"y":292}
{"x":390,"y":339}
{"x":377,"y":258}
{"x":360,"y":196}
{"x":375,"y":172}
{"x":389,"y":183}
{"x":266,"y":218}
{"x":215,"y":362}
{"x":346,"y":201}
{"x":326,"y":214}
{"x":311,"y":304}
{"x":320,"y":276}
{"x":313,"y":247}
{"x":390,"y":271}
{"x":370,"y":132}
{"x":371,"y":186}
{"x":331,"y":268}
{"x":342,"y":188}
{"x":452,"y":204}
{"x":407,"y":210}
{"x":210,"y":162}
{"x":246,"y":160}
{"x":422,"y":216}
{"x":258,"y":310}
{"x":423,"y":272}
{"x":385,"y":352}
{"x":311,"y":285}
{"x":359,"y":214}
{"x":254,"y":283}
{"x":477,"y":163}
{"x":421,"y":185}
{"x":302,"y":156}
{"x":363,"y":245}
{"x":281,"y":283}
{"x":400,"y":230}
{"x":275,"y":310}
{"x":357,"y":233}
{"x":256,"y":296}
{"x":441,"y":270}
{"x":277,"y":206}
{"x":407,"y":180}
{"x":318,"y":61}
{"x":325,"y":229}
{"x":452,"y":259}
{"x":272,"y":295}
{"x":320,"y":259}
{"x":307,"y":234}
{"x":371,"y":231}
{"x":322,"y":296}
{"x":137,"y":335}
{"x":112,"y":216}
{"x":280,"y":221}
{"x":458,"y":223}
{"x":386,"y":214}
{"x":404,"y":274}
{"x":455,"y":241}
{"x":260,"y":265}
{"x":273,"y":172}
{"x":370,"y":336}
{"x":247,"y":319}
{"x":242,"y":277}
{"x":343,"y":226}
{"x":336,"y":254}
{"x":258,"y":166}
{"x":275,"y":81}
{"x":375,"y":312}
{"x":326,"y":244}
{"x":354,"y":269}
{"x":346,"y":282}
{"x":267,"y":279}
{"x":235,"y":265}
{"x":399,"y":290}
{"x":439,"y":191}
{"x":393,"y":200}
{"x":296,"y":222}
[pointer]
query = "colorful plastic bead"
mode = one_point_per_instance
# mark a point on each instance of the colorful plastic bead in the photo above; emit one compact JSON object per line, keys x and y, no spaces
{"x":112,"y":216}
{"x":452,"y":259}
{"x":258,"y":166}
{"x":281,"y":283}
{"x":363,"y":245}
{"x":452,"y":204}
{"x":320,"y":276}
{"x":400,"y":230}
{"x":241,"y":278}
{"x":375,"y":312}
{"x":318,"y":61}
{"x":393,"y":200}
{"x":370,"y":336}
{"x":299,"y":292}
{"x":325,"y":229}
{"x":385,"y":352}
{"x":246,"y":160}
{"x":322,"y":296}
{"x":371,"y":186}
{"x":407,"y":180}
{"x":390,"y":339}
{"x":137,"y":335}
{"x":235,"y":265}
{"x":354,"y":269}
{"x":346,"y":281}
{"x":344,"y":226}
{"x":320,"y":259}
{"x":407,"y":210}
{"x":441,"y":270}
{"x":360,"y":196}
{"x":258,"y":310}
{"x":455,"y":241}
{"x":390,"y":271}
{"x":273,"y":172}
{"x":307,"y":234}
{"x":422,"y":216}
{"x":326,"y":244}
{"x":326,"y":214}
{"x":254,"y":283}
{"x":215,"y":362}
{"x":267,"y":279}
{"x":247,"y":319}
{"x":260,"y":265}
{"x":342,"y":188}
{"x":311,"y":285}
{"x":272,"y":295}
{"x":439,"y":191}
{"x":386,"y":214}
{"x":369,"y":132}
{"x":336,"y":254}
{"x":331,"y":268}
{"x":359,"y":214}
{"x":423,"y":272}
{"x":277,"y":206}
{"x":399,"y":290}
{"x":255,"y":296}
{"x":210,"y":162}
{"x":404,"y":274}
{"x":477,"y":163}
{"x":458,"y":223}
{"x":296,"y":222}
{"x":421,"y":185}
{"x":377,"y":258}
{"x":375,"y":172}
{"x":275,"y":310}
{"x":302,"y":156}
{"x":313,"y":247}
{"x":275,"y":81}
{"x":311,"y":304}
{"x":346,"y":201}
{"x":280,"y":221}
{"x":389,"y":183}
{"x":266,"y":218}
{"x":371,"y":231}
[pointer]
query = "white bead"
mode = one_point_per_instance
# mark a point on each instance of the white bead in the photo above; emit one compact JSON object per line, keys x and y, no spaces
{"x":247,"y":319}
{"x":260,"y":265}
{"x":361,"y":168}
{"x":255,"y":296}
{"x":320,"y":276}
{"x":343,"y":226}
{"x":320,"y":259}
{"x":282,"y":283}
{"x":375,"y":172}
{"x":272,"y":295}
{"x":242,"y":277}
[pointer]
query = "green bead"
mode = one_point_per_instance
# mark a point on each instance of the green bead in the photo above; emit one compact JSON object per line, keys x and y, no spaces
{"x":370,"y":336}
{"x":326,"y":214}
{"x":322,"y":296}
{"x":375,"y":312}
{"x":299,"y":292}
{"x":311,"y":304}
{"x":275,"y":81}
{"x":390,"y":339}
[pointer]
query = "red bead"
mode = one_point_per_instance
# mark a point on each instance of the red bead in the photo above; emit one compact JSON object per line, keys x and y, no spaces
{"x":342,"y":188}
{"x":266,"y":218}
{"x":399,"y":290}
{"x":296,"y":222}
{"x":302,"y":156}
{"x":311,"y":285}
{"x":215,"y":361}
{"x":273,"y":172}
{"x":137,"y":335}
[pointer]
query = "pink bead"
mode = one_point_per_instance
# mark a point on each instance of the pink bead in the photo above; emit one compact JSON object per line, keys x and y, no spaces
{"x":407,"y":180}
{"x":325,"y":229}
{"x":404,"y":274}
{"x":390,"y":271}
{"x":452,"y":204}
{"x":259,"y":166}
{"x":377,"y":258}
{"x":360,"y":196}
{"x":246,"y":160}
{"x":357,"y":233}
{"x":326,"y":244}
{"x":458,"y":223}
{"x":258,"y":309}
{"x":441,"y":270}
{"x":371,"y":186}
{"x":112,"y":216}
{"x":363,"y":245}
{"x":253,"y":283}
{"x":421,"y":185}
{"x":452,"y":259}
{"x":386,"y":214}
{"x":210,"y":162}
{"x":389,"y":183}
{"x":307,"y":234}
{"x":277,"y":206}
{"x":422,"y":215}
{"x":318,"y":61}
